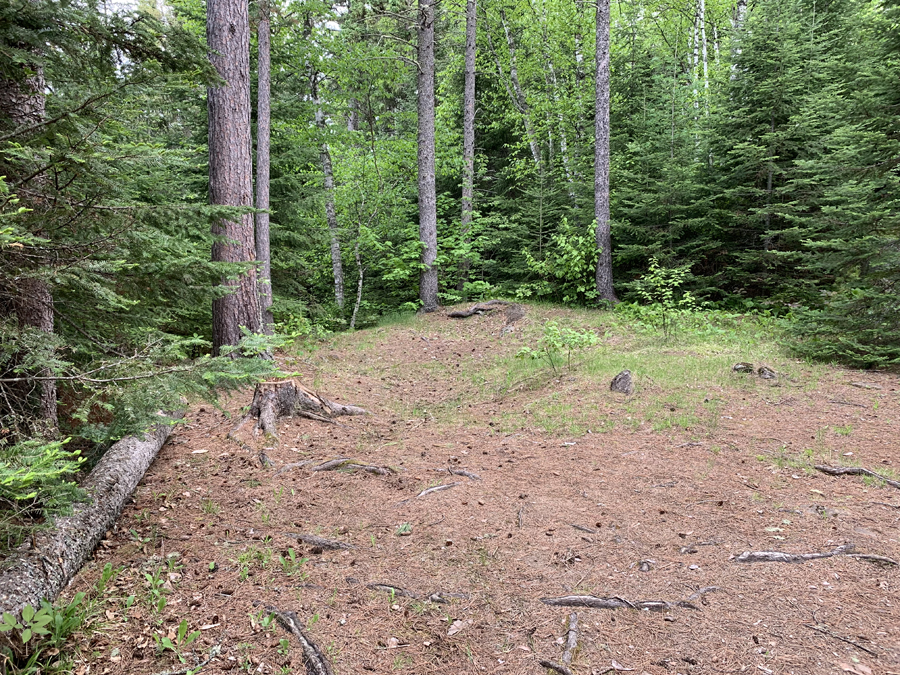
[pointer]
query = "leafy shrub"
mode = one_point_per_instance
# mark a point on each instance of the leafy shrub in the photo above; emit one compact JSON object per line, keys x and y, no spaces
{"x":557,"y":341}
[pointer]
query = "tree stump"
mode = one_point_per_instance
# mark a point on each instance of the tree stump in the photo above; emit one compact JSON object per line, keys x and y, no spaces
{"x":273,"y":400}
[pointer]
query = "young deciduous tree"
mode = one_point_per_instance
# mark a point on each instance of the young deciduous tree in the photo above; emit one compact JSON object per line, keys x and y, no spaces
{"x":263,"y":136}
{"x":231,"y":167}
{"x":468,"y":184}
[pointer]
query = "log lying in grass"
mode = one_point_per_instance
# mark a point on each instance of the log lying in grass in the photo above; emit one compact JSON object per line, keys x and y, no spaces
{"x":347,"y":464}
{"x":41,"y":568}
{"x":273,"y":400}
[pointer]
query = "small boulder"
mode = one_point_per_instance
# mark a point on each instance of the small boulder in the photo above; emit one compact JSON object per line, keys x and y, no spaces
{"x":623,"y":383}
{"x":766,"y":373}
{"x":742,"y":367}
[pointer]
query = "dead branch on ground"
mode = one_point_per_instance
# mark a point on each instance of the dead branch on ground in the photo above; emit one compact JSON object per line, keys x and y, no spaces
{"x":459,"y":472}
{"x":855,"y":471}
{"x":562,"y":670}
{"x":394,"y":590}
{"x":877,"y":559}
{"x":571,"y":639}
{"x":778,"y":556}
{"x":315,"y":660}
{"x":437,"y":488}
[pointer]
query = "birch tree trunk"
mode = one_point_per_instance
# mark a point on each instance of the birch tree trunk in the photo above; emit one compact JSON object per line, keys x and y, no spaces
{"x":704,"y":54}
{"x":519,"y":99}
{"x":468,"y":186}
{"x":263,"y":136}
{"x":231,"y":166}
{"x":23,"y":104}
{"x":337,"y":267}
{"x":428,"y":279}
{"x":604,"y":277}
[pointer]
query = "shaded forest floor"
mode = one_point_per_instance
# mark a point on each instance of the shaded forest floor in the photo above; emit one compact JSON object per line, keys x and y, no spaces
{"x":580,"y":491}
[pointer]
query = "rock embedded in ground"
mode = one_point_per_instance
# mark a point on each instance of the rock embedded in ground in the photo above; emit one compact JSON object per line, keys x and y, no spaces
{"x":742,"y":367}
{"x":766,"y":373}
{"x":623,"y":383}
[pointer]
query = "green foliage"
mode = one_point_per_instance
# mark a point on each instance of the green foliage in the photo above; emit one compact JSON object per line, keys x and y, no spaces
{"x":557,"y":345}
{"x":179,"y":643}
{"x":567,"y":269}
{"x":661,"y":289}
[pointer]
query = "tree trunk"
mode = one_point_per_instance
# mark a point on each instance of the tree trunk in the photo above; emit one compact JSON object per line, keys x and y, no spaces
{"x":24,"y":104}
{"x":263,"y":134}
{"x":359,"y":284}
{"x":704,"y":55}
{"x":519,"y":99}
{"x":428,"y":279}
{"x":468,"y":186}
{"x":41,"y":568}
{"x":331,"y":216}
{"x":231,"y":167}
{"x":601,"y":158}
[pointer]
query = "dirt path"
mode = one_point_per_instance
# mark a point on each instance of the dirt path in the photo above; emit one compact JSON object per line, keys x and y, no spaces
{"x":642,"y":512}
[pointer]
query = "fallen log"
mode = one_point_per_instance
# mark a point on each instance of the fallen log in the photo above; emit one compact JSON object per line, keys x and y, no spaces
{"x":41,"y":568}
{"x":854,"y":471}
{"x":480,"y":308}
{"x":273,"y":400}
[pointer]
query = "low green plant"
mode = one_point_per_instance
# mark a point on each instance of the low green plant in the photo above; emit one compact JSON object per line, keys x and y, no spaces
{"x":179,"y":643}
{"x":156,"y":591}
{"x":557,"y":345}
{"x":292,"y":564}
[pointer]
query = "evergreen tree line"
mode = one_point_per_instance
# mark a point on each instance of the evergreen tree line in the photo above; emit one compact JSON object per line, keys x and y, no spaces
{"x":755,"y":146}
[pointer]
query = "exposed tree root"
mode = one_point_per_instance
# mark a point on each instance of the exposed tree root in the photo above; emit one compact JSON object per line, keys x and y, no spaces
{"x":480,"y":308}
{"x":347,"y":464}
{"x":315,"y":660}
{"x":854,"y":471}
{"x":321,"y":542}
{"x":571,"y":640}
{"x":273,"y":400}
{"x":621,"y":603}
{"x":778,"y":556}
{"x":556,"y":667}
{"x":825,"y":631}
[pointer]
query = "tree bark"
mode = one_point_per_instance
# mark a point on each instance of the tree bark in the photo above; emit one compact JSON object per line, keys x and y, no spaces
{"x":23,"y":103}
{"x":231,"y":167}
{"x":468,"y":186}
{"x":331,"y":216}
{"x":41,"y":569}
{"x":263,"y":137}
{"x":604,"y":277}
{"x":519,"y":99}
{"x":428,"y":278}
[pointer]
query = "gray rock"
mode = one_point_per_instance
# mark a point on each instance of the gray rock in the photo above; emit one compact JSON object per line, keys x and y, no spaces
{"x":766,"y":373}
{"x":623,"y":383}
{"x":742,"y":367}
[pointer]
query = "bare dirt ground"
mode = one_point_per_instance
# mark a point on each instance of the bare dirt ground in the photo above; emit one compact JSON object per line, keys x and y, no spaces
{"x":631,"y":513}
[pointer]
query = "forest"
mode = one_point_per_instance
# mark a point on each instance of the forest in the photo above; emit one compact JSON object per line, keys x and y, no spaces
{"x":187,"y":187}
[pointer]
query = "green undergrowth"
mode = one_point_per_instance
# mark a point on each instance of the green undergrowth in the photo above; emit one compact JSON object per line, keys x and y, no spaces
{"x":553,"y":371}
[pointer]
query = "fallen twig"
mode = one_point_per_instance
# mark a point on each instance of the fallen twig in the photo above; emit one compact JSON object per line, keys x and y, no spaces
{"x":321,"y":542}
{"x":855,"y":405}
{"x":437,"y":488}
{"x":582,"y":528}
{"x":315,"y":660}
{"x":854,"y":471}
{"x":463,"y":472}
{"x":825,"y":631}
{"x":520,"y":518}
{"x":616,"y":602}
{"x":778,"y":556}
{"x":893,"y":506}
